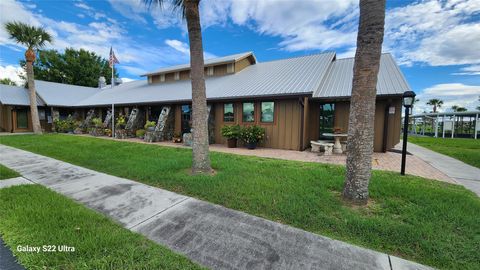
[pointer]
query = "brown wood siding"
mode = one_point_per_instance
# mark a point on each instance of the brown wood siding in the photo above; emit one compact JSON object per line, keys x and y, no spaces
{"x":185,"y":75}
{"x":155,"y":78}
{"x":242,"y":64}
{"x":169,"y":77}
{"x":5,"y":118}
{"x":283,"y":133}
{"x":178,"y":118}
{"x":219,"y":70}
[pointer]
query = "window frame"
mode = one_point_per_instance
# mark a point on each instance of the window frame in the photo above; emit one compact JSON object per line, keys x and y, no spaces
{"x":261,"y":112}
{"x":254,"y":112}
{"x":233,"y":111}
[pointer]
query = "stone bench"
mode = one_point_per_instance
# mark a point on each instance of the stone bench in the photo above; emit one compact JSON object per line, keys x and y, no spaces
{"x":322,"y":146}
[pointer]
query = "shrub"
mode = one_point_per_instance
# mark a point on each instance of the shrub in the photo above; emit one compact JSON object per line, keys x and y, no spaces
{"x":120,"y":122}
{"x":67,"y":125}
{"x":252,"y":134}
{"x":140,"y":133}
{"x":149,"y":124}
{"x":231,"y":132}
{"x":97,"y":122}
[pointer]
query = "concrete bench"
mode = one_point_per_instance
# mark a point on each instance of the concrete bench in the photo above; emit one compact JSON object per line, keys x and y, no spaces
{"x":322,"y":146}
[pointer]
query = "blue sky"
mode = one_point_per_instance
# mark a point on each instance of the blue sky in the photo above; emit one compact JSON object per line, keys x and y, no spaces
{"x":436,"y":43}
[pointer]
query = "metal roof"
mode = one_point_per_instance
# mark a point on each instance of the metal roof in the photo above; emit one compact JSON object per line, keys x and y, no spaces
{"x":63,"y":95}
{"x":15,"y":95}
{"x":208,"y":62}
{"x":338,"y":81}
{"x":292,"y":76}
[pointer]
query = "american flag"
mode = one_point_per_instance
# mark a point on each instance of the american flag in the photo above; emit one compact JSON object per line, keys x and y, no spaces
{"x":113,"y":59}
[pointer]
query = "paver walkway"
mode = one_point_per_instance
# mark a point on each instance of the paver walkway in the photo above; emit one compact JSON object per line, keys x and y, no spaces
{"x":209,"y":234}
{"x":462,"y":173}
{"x":7,"y":260}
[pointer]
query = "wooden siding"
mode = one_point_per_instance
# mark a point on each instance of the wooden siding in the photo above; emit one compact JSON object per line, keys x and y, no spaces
{"x":220,"y":70}
{"x":283,"y":133}
{"x":5,"y":118}
{"x":242,"y":64}
{"x":341,"y":121}
{"x":170,"y":77}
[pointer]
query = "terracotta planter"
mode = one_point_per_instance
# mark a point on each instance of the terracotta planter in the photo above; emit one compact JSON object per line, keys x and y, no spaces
{"x":232,"y":143}
{"x":251,"y":146}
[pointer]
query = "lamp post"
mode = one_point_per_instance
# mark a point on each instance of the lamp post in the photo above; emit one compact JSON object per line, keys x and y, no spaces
{"x":408,"y":98}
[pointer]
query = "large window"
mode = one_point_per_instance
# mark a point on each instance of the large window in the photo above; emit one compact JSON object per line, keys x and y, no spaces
{"x":186,"y":118}
{"x":327,"y":114}
{"x":22,"y":118}
{"x":248,"y":112}
{"x":268,"y":112}
{"x":228,"y":112}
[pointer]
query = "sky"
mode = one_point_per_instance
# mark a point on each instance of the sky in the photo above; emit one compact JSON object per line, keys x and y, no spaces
{"x":435,"y":43}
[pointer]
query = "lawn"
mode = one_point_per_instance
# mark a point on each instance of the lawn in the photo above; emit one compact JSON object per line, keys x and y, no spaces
{"x":35,"y":216}
{"x":6,"y":173}
{"x":427,"y":221}
{"x":466,"y":150}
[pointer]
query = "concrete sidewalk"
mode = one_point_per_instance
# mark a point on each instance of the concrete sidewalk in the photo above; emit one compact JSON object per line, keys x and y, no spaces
{"x":209,"y":234}
{"x":462,"y":173}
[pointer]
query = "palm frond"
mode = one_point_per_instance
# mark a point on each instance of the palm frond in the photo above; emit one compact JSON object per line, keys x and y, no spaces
{"x":177,"y":5}
{"x":31,"y":36}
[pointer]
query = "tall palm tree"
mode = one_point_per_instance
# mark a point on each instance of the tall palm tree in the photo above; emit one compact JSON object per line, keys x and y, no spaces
{"x":362,"y":104}
{"x":33,"y":38}
{"x":436,"y":103}
{"x":457,"y":108}
{"x":191,"y":12}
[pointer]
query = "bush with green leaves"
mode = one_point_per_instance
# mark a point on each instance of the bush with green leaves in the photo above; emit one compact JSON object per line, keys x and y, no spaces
{"x":120,"y":122}
{"x":252,"y":134}
{"x":67,"y":125}
{"x":140,"y":133}
{"x":149,"y":124}
{"x":97,"y":122}
{"x":231,"y":131}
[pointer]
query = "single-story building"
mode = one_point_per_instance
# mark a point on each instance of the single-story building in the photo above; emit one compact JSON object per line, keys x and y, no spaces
{"x":296,"y":99}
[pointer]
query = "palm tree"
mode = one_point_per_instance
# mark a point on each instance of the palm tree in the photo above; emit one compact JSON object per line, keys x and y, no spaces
{"x":33,"y":38}
{"x":362,"y":104}
{"x":436,"y":103}
{"x":457,"y":108}
{"x":190,"y":11}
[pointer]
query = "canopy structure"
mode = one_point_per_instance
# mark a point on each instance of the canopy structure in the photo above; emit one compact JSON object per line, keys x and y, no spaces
{"x":446,"y":124}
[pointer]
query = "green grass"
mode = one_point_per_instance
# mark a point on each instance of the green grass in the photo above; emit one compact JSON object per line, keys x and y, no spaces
{"x":34,"y":215}
{"x":428,"y":221}
{"x":6,"y":173}
{"x":466,"y":150}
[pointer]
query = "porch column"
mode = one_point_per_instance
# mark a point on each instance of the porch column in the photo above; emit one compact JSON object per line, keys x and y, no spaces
{"x":476,"y":125}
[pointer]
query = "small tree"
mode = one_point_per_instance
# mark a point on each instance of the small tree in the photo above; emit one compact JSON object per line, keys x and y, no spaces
{"x":33,"y":38}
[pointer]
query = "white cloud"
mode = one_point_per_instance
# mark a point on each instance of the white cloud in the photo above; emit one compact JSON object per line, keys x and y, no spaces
{"x":469,"y":70}
{"x":434,"y":32}
{"x":12,"y":72}
{"x":82,"y":5}
{"x":452,"y":94}
{"x":125,"y":80}
{"x":178,"y":45}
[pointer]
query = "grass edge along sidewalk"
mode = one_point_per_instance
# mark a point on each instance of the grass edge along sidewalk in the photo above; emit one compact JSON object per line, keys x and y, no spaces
{"x":55,"y":220}
{"x":426,"y":221}
{"x":7,"y":173}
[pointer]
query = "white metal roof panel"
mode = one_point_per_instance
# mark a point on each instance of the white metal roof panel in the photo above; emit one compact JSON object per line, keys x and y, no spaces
{"x":15,"y":95}
{"x":300,"y":75}
{"x":338,"y":80}
{"x":60,"y":94}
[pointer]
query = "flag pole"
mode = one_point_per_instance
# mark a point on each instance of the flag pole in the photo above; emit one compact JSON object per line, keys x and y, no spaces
{"x":112,"y":82}
{"x":113,"y":121}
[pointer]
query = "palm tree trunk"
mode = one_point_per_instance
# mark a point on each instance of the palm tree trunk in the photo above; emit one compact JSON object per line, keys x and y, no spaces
{"x":201,"y":160}
{"x":33,"y":99}
{"x":362,"y":104}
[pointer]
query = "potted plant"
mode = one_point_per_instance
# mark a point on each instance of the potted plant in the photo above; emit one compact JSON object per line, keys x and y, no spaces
{"x":120,"y":123}
{"x":108,"y":132}
{"x":97,"y":129}
{"x":140,"y":133}
{"x":177,"y":138}
{"x":252,"y":135}
{"x":232,"y":133}
{"x":150,"y":125}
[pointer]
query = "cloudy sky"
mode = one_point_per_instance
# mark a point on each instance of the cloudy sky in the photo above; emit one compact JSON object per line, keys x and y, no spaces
{"x":436,"y":43}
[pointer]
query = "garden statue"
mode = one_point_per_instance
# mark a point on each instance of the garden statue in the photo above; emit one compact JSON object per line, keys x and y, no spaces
{"x":88,"y":119}
{"x":135,"y":121}
{"x":108,"y":119}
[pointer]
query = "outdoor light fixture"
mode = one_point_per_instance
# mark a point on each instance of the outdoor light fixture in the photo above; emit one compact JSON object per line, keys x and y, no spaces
{"x":408,"y":98}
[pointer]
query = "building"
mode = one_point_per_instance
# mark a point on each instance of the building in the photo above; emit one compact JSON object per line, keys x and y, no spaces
{"x":296,"y":100}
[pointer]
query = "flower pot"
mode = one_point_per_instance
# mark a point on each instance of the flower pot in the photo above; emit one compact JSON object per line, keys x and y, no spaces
{"x":251,"y":146}
{"x":232,"y":143}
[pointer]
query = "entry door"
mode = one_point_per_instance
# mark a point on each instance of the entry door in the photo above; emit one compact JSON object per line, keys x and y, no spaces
{"x":327,"y":119}
{"x":186,"y":118}
{"x":22,"y":119}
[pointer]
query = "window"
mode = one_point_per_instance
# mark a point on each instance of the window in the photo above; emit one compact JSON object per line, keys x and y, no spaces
{"x":228,"y":113}
{"x":186,"y":118}
{"x":248,"y":112}
{"x":268,"y":110}
{"x":22,"y":118}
